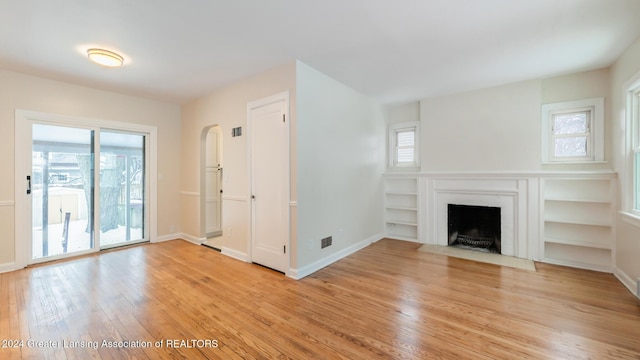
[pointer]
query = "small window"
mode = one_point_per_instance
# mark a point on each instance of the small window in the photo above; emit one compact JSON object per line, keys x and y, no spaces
{"x":403,"y":144}
{"x":573,"y":131}
{"x":571,"y":134}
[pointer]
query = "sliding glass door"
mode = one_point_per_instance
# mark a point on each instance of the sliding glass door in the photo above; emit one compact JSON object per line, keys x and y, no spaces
{"x":76,"y":209}
{"x":122,"y":190}
{"x":62,"y":190}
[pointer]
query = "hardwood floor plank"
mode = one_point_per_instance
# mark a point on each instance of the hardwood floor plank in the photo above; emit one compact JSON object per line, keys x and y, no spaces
{"x":387,"y":301}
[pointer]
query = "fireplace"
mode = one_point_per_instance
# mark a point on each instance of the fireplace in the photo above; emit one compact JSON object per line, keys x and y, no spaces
{"x":512,"y":196}
{"x":474,"y":227}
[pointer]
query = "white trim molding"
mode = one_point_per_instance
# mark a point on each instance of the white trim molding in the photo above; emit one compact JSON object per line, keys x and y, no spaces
{"x":238,"y":255}
{"x":627,"y":281}
{"x":192,"y":239}
{"x":168,"y":237}
{"x":190,"y":193}
{"x":7,"y":203}
{"x":298,"y":274}
{"x":12,"y":266}
{"x":235,"y":198}
{"x":630,"y":218}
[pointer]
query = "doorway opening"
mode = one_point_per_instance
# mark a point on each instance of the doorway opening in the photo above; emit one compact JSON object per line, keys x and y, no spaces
{"x":211,"y":173}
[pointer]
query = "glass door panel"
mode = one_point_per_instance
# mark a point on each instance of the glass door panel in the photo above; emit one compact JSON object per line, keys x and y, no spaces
{"x":122,"y":188}
{"x":62,"y":178}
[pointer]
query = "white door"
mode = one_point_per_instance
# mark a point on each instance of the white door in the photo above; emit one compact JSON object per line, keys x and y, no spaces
{"x":213,"y":178}
{"x":269,"y":141}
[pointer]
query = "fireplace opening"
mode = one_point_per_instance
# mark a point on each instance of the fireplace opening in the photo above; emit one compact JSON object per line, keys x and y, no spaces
{"x":474,"y":227}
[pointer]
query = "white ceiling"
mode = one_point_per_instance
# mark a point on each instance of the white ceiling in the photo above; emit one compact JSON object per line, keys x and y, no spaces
{"x":394,"y":51}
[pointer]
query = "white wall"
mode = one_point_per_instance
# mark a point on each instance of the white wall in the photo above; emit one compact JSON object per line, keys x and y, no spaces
{"x":495,"y":129}
{"x":227,"y":108}
{"x":400,"y":113}
{"x":340,"y":158}
{"x":18,"y":91}
{"x":627,"y":235}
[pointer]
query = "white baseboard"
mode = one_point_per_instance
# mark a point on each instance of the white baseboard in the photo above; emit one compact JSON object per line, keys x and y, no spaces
{"x":7,"y":267}
{"x":298,"y":274}
{"x":192,"y":239}
{"x":577,"y":265}
{"x":627,"y":281}
{"x":198,"y":241}
{"x":239,"y":255}
{"x":168,"y":237}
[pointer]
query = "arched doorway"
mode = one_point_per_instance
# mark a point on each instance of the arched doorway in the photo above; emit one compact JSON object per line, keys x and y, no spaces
{"x":211,"y":172}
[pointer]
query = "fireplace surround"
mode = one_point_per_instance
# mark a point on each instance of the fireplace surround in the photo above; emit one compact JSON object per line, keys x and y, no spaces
{"x":508,"y":195}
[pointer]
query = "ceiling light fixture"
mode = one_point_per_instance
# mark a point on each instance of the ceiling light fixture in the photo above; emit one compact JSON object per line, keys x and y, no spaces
{"x":105,"y":57}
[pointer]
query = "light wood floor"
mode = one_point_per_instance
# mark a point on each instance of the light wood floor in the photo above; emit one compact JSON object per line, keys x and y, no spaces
{"x":388,"y":301}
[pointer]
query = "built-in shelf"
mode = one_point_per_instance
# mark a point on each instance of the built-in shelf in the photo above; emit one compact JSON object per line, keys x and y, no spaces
{"x":577,"y":221}
{"x":586,"y":200}
{"x":578,"y":214}
{"x":401,"y":222}
{"x":401,"y":207}
{"x":578,"y":243}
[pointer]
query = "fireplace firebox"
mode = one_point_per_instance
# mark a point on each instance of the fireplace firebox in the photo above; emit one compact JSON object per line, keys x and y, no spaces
{"x":474,"y":227}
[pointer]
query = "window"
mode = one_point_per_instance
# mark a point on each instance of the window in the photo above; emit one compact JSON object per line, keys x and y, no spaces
{"x":403,"y":143}
{"x":634,"y":117}
{"x":571,"y":135}
{"x":636,"y":180}
{"x":631,"y":165}
{"x":573,"y":131}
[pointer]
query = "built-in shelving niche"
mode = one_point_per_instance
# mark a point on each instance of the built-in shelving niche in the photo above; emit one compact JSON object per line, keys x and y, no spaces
{"x":401,"y":207}
{"x":578,"y":215}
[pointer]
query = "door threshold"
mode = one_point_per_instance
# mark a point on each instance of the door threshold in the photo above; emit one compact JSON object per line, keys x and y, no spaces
{"x":212,"y":247}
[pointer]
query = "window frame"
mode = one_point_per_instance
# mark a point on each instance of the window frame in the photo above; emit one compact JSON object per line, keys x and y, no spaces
{"x":629,"y":172}
{"x":394,"y":129}
{"x":595,"y":134}
{"x":633,"y":120}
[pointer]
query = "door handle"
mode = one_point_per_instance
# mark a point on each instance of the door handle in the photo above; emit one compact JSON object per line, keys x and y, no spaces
{"x":28,"y":184}
{"x":253,"y":197}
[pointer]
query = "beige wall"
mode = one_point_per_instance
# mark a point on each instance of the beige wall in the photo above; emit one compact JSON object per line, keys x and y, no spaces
{"x":18,"y":91}
{"x":499,"y":128}
{"x":227,"y":107}
{"x":400,"y":113}
{"x":627,"y":235}
{"x":491,"y":129}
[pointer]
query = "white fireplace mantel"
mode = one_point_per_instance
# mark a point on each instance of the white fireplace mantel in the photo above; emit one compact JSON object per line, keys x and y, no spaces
{"x":511,"y":195}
